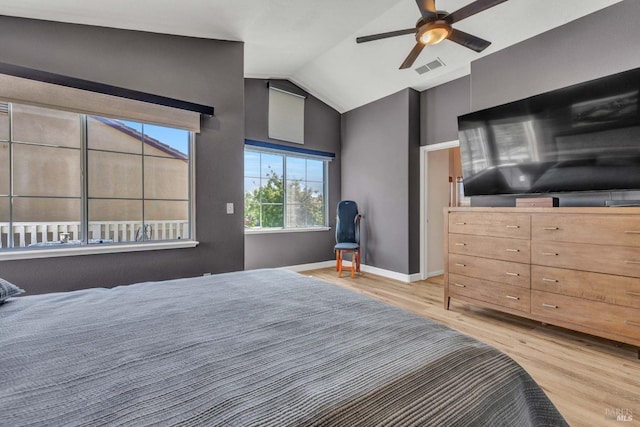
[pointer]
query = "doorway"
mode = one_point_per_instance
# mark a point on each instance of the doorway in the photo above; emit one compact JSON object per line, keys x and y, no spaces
{"x":439,"y":164}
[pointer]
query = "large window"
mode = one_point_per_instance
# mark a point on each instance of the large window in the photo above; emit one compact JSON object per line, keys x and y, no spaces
{"x":284,"y":190}
{"x":69,"y":178}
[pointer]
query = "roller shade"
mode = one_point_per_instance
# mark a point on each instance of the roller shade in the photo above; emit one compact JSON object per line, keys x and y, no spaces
{"x":44,"y":94}
{"x":286,"y":116}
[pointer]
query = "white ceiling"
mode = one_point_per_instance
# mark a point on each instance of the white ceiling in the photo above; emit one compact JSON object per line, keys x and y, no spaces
{"x":312,"y":43}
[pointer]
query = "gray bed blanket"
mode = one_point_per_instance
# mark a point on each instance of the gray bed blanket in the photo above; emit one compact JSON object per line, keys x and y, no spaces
{"x":263,"y":347}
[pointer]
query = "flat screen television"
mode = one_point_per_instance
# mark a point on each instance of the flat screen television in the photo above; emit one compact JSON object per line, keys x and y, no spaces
{"x":584,"y":137}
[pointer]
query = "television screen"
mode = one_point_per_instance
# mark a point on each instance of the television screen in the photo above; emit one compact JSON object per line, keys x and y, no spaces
{"x":580,"y":138}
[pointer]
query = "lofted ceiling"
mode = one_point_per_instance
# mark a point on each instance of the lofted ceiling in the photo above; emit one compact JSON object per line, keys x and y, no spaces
{"x":313,"y":43}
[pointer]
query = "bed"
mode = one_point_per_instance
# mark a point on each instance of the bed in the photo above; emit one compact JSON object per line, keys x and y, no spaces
{"x":264,"y":347}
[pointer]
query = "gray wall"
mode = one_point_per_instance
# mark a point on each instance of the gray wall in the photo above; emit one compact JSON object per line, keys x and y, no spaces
{"x":380,"y":158}
{"x":440,"y":107}
{"x":596,"y":45}
{"x":198,"y":70}
{"x":321,"y":132}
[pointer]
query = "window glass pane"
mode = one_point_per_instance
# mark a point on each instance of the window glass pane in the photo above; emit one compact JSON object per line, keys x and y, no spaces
{"x":42,"y":209}
{"x":114,"y":175}
{"x":271,"y":191}
{"x":273,"y":215}
{"x":315,"y":170}
{"x":271,"y":166}
{"x":166,"y":142}
{"x":251,"y":186}
{"x":296,"y":191}
{"x":114,"y":220}
{"x":166,"y":178}
{"x":166,"y":220}
{"x":45,"y":126}
{"x":296,"y":168}
{"x":251,"y":164}
{"x":305,"y":201}
{"x":305,"y":205}
{"x":4,"y":221}
{"x":315,"y":205}
{"x":315,"y":212}
{"x":46,"y":171}
{"x":252,"y":212}
{"x":4,"y":168}
{"x":114,"y":135}
{"x":296,"y":216}
{"x":4,"y":121}
{"x":41,"y":220}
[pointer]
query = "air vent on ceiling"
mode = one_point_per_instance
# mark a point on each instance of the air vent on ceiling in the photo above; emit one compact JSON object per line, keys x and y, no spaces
{"x":429,"y":66}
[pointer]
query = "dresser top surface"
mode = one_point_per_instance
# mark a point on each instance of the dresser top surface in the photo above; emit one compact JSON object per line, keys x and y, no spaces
{"x":557,"y":210}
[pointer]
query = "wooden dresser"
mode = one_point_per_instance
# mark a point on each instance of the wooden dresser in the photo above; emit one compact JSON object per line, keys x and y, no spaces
{"x":578,"y":268}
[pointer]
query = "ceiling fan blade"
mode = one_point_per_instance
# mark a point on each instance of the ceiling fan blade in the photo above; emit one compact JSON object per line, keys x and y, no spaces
{"x":427,"y":8}
{"x":413,"y":55}
{"x":385,"y":35}
{"x":471,"y":9}
{"x":468,"y":40}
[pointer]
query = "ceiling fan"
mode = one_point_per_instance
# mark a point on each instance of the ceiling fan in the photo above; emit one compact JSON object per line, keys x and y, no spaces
{"x":435,"y":25}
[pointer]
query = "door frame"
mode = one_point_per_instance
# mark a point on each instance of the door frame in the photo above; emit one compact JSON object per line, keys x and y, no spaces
{"x":424,"y":200}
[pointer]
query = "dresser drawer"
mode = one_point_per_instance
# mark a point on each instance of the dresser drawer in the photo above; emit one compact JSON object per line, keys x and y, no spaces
{"x":516,"y":250}
{"x":618,"y":230}
{"x":508,"y":272}
{"x":593,"y":286}
{"x":513,"y":297}
{"x":600,"y":316}
{"x":618,"y":260}
{"x":517,"y":226}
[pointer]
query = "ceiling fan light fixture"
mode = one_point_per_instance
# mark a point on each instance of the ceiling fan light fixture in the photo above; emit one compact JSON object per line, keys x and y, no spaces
{"x":433,"y":33}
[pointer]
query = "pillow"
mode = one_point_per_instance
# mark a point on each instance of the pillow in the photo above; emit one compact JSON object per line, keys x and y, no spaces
{"x":8,"y":290}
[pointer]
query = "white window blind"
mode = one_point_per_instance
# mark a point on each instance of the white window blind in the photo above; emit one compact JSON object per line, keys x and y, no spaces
{"x":42,"y":94}
{"x":286,"y":116}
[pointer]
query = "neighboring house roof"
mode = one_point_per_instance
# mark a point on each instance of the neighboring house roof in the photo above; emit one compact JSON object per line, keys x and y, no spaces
{"x":117,"y":125}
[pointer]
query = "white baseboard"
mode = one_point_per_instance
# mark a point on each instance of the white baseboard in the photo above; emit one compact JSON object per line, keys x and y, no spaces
{"x":312,"y":266}
{"x":435,"y":273}
{"x":407,"y":278}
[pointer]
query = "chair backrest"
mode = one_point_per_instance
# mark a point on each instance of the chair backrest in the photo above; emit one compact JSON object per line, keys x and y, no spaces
{"x":347,"y":224}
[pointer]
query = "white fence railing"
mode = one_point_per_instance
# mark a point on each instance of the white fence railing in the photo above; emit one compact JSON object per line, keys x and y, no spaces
{"x":26,"y":234}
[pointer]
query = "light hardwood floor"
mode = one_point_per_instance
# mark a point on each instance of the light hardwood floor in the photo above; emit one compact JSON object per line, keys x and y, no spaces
{"x":587,"y":378}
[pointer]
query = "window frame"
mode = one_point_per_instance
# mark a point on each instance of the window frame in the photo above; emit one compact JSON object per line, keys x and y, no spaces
{"x":84,"y":247}
{"x":284,"y":151}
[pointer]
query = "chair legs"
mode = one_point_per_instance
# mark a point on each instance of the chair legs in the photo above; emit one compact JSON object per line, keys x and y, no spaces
{"x":355,"y":261}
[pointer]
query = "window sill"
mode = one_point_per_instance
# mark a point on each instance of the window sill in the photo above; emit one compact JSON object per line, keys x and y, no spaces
{"x":94,"y":249}
{"x":285,"y":230}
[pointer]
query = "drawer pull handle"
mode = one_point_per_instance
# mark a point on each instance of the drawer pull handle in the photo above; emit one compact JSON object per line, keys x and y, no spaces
{"x":633,"y":294}
{"x":461,"y":244}
{"x":549,"y":254}
{"x":551,"y":228}
{"x":508,"y":273}
{"x":459,"y":285}
{"x":631,"y":323}
{"x":631,"y":262}
{"x":513,"y":226}
{"x":513,"y":250}
{"x":512,"y":297}
{"x":461,"y":265}
{"x":632,"y":232}
{"x":546,"y":279}
{"x":549,"y":305}
{"x":461,"y":223}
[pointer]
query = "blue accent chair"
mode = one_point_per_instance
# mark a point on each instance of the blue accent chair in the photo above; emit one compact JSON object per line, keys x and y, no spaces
{"x":347,"y":236}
